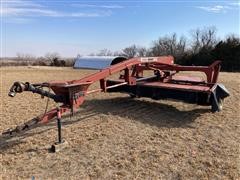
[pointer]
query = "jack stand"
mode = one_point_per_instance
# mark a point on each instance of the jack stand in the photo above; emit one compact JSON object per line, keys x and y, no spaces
{"x":61,"y":144}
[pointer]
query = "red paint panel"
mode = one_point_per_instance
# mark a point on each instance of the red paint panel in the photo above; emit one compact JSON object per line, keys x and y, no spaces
{"x":188,"y":78}
{"x":176,"y":86}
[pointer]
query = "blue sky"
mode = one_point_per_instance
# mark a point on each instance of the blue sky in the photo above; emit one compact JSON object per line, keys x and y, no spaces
{"x":80,"y":27}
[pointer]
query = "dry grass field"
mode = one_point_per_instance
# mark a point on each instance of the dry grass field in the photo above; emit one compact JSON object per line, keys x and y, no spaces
{"x":115,"y":137}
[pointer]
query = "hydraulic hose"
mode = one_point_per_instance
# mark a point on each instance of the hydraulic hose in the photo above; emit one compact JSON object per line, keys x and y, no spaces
{"x":19,"y":87}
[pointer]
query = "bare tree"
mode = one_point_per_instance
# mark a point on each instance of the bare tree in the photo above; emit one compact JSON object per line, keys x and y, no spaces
{"x":118,"y":53}
{"x":142,"y":51}
{"x":54,"y":59}
{"x":181,"y":47}
{"x":203,"y":39}
{"x":105,"y":52}
{"x":169,"y":45}
{"x":130,"y":51}
{"x":25,"y":57}
{"x":233,"y":40}
{"x":50,"y":56}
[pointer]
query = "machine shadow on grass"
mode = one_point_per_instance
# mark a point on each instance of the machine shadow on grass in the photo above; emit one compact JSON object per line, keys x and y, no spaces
{"x":150,"y":112}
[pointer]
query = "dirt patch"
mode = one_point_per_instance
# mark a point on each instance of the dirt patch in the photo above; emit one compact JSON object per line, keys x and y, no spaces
{"x":115,"y":137}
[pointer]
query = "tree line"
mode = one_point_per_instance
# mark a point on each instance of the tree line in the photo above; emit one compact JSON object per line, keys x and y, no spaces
{"x":201,"y":49}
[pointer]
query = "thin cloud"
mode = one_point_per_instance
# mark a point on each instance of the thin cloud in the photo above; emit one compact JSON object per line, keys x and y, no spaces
{"x":98,"y":6}
{"x":23,"y":9}
{"x":27,"y":12}
{"x":97,"y":14}
{"x":20,"y":3}
{"x":23,"y":12}
{"x":235,"y":4}
{"x":214,"y":9}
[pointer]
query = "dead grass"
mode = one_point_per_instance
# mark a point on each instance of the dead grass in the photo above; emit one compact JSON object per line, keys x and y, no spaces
{"x":115,"y":137}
